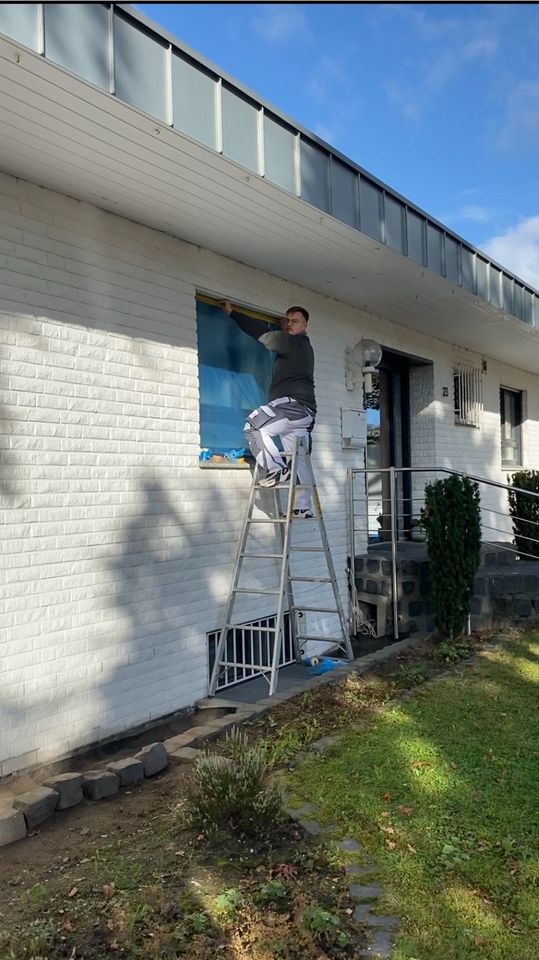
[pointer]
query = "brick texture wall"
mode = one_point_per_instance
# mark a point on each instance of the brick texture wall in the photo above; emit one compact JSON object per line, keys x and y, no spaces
{"x":116,"y":547}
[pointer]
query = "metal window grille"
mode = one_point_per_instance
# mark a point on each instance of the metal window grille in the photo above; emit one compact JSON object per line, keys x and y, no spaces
{"x":468,"y":395}
{"x":250,"y":643}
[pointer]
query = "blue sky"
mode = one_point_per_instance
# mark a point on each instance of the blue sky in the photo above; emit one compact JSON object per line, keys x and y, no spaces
{"x":440,"y":101}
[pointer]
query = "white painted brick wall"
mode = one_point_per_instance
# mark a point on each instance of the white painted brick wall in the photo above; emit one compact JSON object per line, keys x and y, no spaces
{"x":116,"y":547}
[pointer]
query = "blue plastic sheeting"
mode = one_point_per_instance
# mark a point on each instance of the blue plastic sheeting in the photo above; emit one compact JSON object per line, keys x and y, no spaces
{"x":234,"y":377}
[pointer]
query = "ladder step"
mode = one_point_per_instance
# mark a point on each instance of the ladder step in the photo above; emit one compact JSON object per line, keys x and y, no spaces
{"x":303,"y":609}
{"x":264,"y":593}
{"x":262,"y":556}
{"x":268,"y":520}
{"x":282,"y":486}
{"x":308,"y":549}
{"x":313,"y":579}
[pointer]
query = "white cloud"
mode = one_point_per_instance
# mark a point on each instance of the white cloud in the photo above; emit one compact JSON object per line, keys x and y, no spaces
{"x":446,"y":49}
{"x":518,"y":250}
{"x":471,"y":212}
{"x":330,"y":73}
{"x":280,"y":23}
{"x":521,"y":126}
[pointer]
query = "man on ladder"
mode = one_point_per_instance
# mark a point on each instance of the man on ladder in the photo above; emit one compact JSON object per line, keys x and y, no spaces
{"x":289,"y":414}
{"x":291,"y":408}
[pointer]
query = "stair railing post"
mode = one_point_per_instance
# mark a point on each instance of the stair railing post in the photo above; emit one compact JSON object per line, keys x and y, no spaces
{"x":393,"y":508}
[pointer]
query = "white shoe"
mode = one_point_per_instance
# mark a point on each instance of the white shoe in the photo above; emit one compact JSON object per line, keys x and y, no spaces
{"x":276,"y":477}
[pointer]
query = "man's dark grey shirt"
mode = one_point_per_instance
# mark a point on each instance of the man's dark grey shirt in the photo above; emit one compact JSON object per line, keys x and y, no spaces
{"x":293,"y":367}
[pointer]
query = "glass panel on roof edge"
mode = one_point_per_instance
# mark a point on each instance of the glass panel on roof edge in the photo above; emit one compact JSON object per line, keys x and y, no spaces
{"x":77,"y":37}
{"x":370,"y":209}
{"x":314,"y":166}
{"x":279,"y":154}
{"x":240,"y":132}
{"x":193,"y":101}
{"x":139,"y":68}
{"x":19,"y":21}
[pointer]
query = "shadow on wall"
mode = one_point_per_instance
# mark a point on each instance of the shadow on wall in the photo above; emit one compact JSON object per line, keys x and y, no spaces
{"x":164,"y":583}
{"x":149,"y":646}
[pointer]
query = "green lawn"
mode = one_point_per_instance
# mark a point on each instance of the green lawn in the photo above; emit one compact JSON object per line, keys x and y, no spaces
{"x":442,"y":790}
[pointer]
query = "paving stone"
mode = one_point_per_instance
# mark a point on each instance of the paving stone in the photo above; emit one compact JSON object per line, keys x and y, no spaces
{"x":154,"y":757}
{"x":36,"y":805}
{"x":311,"y":826}
{"x":297,"y":812}
{"x":348,"y":844}
{"x":355,"y":870}
{"x":361,"y":912}
{"x":12,"y":826}
{"x":129,"y":771}
{"x":185,"y":755}
{"x":68,"y":786}
{"x":100,"y":784}
{"x":380,"y":947}
{"x":322,"y":744}
{"x":379,"y":920}
{"x":369,"y":891}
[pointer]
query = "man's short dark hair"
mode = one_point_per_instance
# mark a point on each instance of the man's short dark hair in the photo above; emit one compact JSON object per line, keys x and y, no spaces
{"x":301,"y":310}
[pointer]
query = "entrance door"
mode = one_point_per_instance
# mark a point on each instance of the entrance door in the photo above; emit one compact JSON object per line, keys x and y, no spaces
{"x":388,"y":445}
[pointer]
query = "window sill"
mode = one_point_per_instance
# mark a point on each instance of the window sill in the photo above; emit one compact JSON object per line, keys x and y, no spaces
{"x":222,"y":465}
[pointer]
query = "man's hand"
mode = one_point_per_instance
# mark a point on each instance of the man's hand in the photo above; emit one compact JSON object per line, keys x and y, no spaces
{"x":226,"y":306}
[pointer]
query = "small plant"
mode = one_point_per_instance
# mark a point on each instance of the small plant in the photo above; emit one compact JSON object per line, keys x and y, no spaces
{"x":324,"y":926}
{"x":228,"y":902}
{"x":411,"y":674}
{"x":451,"y":652}
{"x":195,"y":922}
{"x":452,"y":520}
{"x":274,"y":892}
{"x":232,"y":793}
{"x":524,"y":509}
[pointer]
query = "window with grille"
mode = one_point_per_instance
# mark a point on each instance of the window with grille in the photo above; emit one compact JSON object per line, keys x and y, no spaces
{"x":249,"y":643}
{"x":511,"y":426}
{"x":468,"y":395}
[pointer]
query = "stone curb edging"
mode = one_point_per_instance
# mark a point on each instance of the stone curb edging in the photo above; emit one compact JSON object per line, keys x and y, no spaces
{"x":61,"y":792}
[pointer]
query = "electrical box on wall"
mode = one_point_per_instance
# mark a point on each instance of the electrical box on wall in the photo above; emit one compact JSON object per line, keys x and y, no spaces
{"x":353,"y":429}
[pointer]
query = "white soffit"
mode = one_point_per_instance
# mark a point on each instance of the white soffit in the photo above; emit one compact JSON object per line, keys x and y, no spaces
{"x":63,"y":133}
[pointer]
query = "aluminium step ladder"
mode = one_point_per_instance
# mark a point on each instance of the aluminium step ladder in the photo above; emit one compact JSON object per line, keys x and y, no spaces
{"x":284,"y":593}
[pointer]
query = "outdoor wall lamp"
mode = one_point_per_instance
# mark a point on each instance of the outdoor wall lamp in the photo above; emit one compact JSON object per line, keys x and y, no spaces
{"x":362,"y":359}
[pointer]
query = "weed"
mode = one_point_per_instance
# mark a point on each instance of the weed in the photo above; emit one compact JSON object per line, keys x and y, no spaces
{"x":232,"y":793}
{"x":228,"y":902}
{"x":324,"y":926}
{"x":273,"y":893}
{"x":450,"y":651}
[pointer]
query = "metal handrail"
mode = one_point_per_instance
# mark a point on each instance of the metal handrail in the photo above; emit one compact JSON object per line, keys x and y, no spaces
{"x":394,"y":516}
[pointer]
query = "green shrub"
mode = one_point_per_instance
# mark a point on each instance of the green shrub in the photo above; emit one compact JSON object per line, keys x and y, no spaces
{"x":452,"y":521}
{"x":525,"y":513}
{"x":232,"y":794}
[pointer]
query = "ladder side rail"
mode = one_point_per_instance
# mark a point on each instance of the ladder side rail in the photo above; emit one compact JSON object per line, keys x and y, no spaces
{"x":289,"y":591}
{"x":329,"y":560}
{"x":233,"y":586}
{"x":285,"y":574}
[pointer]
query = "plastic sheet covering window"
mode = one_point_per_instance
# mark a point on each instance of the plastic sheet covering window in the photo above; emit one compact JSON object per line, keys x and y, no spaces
{"x":234,"y":378}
